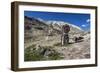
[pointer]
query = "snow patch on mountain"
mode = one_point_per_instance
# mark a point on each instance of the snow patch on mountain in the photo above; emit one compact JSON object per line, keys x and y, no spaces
{"x":61,"y":23}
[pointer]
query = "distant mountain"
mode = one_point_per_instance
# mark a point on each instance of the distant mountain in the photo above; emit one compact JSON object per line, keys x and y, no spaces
{"x":58,"y":25}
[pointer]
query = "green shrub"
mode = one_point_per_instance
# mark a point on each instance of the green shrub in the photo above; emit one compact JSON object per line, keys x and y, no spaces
{"x":32,"y":54}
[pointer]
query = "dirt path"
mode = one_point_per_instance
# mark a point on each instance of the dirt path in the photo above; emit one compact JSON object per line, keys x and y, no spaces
{"x":78,"y":50}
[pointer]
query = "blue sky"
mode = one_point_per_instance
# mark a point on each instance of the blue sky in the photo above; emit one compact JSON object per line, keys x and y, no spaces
{"x":81,"y":20}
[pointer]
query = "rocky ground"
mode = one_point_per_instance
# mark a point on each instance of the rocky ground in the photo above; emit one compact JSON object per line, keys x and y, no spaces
{"x":79,"y":50}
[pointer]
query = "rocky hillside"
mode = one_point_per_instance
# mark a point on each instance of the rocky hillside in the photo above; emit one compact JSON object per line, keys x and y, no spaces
{"x":48,"y":27}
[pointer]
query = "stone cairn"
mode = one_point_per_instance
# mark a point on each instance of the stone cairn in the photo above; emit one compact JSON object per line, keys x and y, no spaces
{"x":65,"y":35}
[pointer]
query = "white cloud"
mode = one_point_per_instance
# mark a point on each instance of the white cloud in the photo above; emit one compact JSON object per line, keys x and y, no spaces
{"x":88,"y":20}
{"x":83,"y":25}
